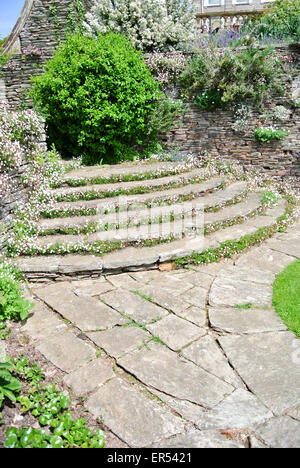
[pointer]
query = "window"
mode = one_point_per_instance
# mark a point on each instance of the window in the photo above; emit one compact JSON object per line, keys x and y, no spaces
{"x":241,"y":2}
{"x":213,"y":2}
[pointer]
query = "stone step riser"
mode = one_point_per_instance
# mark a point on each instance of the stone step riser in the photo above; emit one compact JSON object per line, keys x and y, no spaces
{"x":137,"y":202}
{"x":105,"y":190}
{"x":180,"y":245}
{"x":151,"y":216}
{"x":177,"y":229}
{"x":53,"y":267}
{"x":122,"y":170}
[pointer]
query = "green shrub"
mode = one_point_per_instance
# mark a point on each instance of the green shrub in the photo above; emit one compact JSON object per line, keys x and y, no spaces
{"x":216,"y":78}
{"x":97,"y":96}
{"x":281,"y":20}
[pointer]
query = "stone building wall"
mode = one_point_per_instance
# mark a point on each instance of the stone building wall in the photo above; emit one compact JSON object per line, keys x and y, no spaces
{"x":224,"y":6}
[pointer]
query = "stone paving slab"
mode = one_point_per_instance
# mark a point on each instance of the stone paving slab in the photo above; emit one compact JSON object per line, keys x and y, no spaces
{"x":206,"y":353}
{"x":199,"y":439}
{"x":199,"y":279}
{"x":196,"y":296}
{"x":234,"y":232}
{"x":66,"y":351}
{"x":164,"y":298}
{"x":294,"y":413}
{"x":134,"y":418}
{"x":292,"y":247}
{"x":267,"y":362}
{"x":146,"y":276}
{"x":162,"y":369}
{"x":89,"y":377}
{"x":264,"y":259}
{"x":241,"y":410}
{"x":231,"y":292}
{"x":124,"y":281}
{"x":86,"y":312}
{"x":244,"y":274}
{"x":171,"y":285}
{"x":120,"y":340}
{"x":42,"y":323}
{"x":133,"y":306}
{"x":94,"y":287}
{"x":245,"y":320}
{"x":175,"y":332}
{"x":283,"y":432}
{"x":195,"y":315}
{"x":189,"y":411}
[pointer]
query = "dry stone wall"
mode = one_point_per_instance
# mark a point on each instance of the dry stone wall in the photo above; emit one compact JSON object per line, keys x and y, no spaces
{"x":212,"y":131}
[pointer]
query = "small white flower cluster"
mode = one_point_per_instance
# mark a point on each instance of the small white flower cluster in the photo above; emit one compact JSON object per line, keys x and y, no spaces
{"x":20,"y":136}
{"x":149,"y":24}
{"x":281,"y":113}
{"x":242,"y":113}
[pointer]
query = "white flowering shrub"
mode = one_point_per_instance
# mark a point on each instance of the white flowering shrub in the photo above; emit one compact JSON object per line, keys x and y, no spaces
{"x":149,"y":24}
{"x":20,"y":136}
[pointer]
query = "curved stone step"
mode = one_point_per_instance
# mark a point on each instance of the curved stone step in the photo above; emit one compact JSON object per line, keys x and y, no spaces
{"x":118,"y":171}
{"x":154,"y":214}
{"x":133,"y":234}
{"x":133,"y":258}
{"x":98,"y":191}
{"x":167,"y":196}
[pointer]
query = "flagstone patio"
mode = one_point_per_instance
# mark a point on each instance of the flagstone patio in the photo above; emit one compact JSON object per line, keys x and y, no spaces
{"x":166,"y":359}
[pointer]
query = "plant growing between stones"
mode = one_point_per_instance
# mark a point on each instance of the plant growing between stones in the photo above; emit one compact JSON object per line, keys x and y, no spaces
{"x":267,"y":134}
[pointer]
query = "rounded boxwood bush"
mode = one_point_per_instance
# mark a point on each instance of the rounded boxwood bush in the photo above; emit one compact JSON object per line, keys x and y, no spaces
{"x":97,"y":96}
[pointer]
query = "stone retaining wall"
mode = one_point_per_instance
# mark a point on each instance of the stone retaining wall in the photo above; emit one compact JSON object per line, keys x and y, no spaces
{"x":212,"y":131}
{"x":16,"y":193}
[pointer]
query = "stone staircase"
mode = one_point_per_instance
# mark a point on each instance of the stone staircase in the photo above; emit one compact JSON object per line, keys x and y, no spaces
{"x":131,"y":217}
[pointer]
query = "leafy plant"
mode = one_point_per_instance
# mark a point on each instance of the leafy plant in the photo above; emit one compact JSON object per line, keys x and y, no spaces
{"x":75,"y":433}
{"x":216,"y":78}
{"x":270,"y":198}
{"x":281,"y":20}
{"x":28,"y":437}
{"x":31,"y":373}
{"x":45,"y":404}
{"x":97,"y":96}
{"x":13,"y":306}
{"x":9,"y":385}
{"x":267,"y":134}
{"x":209,"y":99}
